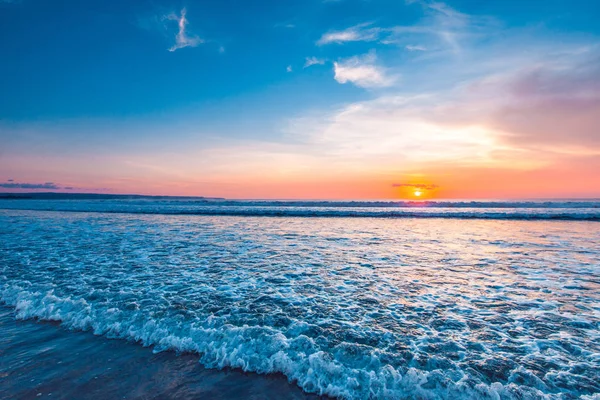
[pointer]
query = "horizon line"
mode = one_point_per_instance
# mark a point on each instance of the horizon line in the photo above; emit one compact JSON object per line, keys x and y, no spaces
{"x":9,"y":195}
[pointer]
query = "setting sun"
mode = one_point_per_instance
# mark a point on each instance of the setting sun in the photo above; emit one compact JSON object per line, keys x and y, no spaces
{"x":418,"y":193}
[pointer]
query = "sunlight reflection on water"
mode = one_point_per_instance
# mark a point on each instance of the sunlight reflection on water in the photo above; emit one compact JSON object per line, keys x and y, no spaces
{"x":437,"y":308}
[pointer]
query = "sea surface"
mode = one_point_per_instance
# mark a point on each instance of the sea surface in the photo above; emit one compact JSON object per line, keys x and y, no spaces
{"x":352,"y":300}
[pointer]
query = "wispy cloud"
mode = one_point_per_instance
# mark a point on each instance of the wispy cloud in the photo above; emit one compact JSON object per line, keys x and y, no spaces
{"x":359,"y":33}
{"x":183,"y":38}
{"x":362,"y":71}
{"x":441,"y":28}
{"x":396,"y":130}
{"x":411,"y":47}
{"x":285,"y":25}
{"x":310,"y":61}
{"x":289,"y":68}
{"x":551,"y":103}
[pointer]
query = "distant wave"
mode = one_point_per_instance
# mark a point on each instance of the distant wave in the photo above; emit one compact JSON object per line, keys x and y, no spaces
{"x":405,"y":204}
{"x":522,"y":210}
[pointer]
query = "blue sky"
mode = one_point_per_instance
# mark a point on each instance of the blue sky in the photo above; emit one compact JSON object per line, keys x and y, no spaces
{"x":285,"y":98}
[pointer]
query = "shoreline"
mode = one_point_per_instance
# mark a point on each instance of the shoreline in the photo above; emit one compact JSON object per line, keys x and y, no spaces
{"x":41,"y":359}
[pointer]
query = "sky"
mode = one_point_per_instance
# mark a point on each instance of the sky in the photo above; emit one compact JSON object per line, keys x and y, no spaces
{"x":304,"y":99}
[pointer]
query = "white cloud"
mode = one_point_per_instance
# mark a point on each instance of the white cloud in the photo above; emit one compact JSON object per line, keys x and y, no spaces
{"x":411,"y":47}
{"x":310,"y":61}
{"x":497,"y":120}
{"x":442,"y":28}
{"x":496,"y":117}
{"x":393,"y":131}
{"x":183,"y":38}
{"x":357,"y":33}
{"x":289,"y":68}
{"x":362,"y":71}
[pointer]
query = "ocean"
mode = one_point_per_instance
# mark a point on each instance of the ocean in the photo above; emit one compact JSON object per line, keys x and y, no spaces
{"x":224,"y":299}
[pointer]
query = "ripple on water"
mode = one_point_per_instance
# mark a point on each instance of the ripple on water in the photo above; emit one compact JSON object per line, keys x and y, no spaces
{"x":355,"y":308}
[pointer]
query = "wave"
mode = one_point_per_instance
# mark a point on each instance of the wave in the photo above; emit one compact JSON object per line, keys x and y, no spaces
{"x":433,"y":309}
{"x":406,"y":204}
{"x":265,"y":350}
{"x":550,"y":210}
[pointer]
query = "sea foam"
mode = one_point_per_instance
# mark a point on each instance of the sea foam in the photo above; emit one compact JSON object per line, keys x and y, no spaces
{"x":350,"y":308}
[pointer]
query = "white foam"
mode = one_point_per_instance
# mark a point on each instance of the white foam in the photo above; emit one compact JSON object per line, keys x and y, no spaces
{"x":429,"y":310}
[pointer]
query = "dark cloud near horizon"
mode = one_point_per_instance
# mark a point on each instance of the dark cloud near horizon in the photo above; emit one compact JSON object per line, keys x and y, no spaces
{"x":423,"y":186}
{"x":16,"y":185}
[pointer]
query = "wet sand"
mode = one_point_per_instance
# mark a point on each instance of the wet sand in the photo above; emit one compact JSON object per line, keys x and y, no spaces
{"x":44,"y":360}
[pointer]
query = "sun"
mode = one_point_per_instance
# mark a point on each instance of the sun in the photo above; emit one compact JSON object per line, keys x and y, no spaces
{"x":418,"y":192}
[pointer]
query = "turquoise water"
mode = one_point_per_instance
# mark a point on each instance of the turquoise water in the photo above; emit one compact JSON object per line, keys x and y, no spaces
{"x":352,"y":307}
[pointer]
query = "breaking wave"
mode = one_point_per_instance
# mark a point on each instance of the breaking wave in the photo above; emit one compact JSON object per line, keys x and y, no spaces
{"x":524,"y":210}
